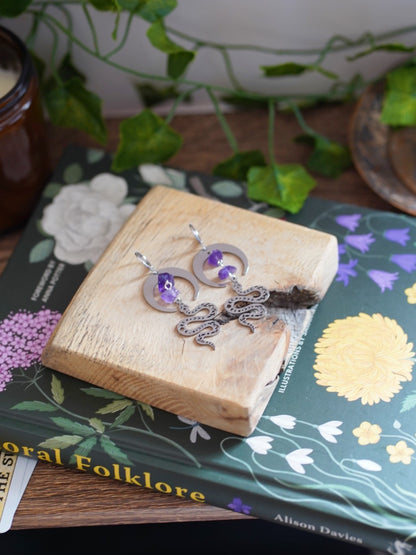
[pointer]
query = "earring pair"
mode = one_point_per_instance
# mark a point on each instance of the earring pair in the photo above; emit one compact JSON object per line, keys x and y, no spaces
{"x":201,"y":321}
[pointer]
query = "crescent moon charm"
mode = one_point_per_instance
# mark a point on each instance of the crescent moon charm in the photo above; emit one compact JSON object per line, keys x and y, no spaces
{"x":151,"y":283}
{"x":201,"y":257}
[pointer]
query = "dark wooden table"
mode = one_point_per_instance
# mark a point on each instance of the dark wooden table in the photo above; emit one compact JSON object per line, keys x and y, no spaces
{"x":57,"y":497}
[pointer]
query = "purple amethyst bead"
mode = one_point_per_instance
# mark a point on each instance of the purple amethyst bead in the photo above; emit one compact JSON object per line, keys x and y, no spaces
{"x":215,"y":258}
{"x":226,"y":272}
{"x":167,"y":289}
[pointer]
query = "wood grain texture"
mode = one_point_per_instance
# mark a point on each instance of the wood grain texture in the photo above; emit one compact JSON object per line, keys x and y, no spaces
{"x":81,"y":499}
{"x":109,"y":336}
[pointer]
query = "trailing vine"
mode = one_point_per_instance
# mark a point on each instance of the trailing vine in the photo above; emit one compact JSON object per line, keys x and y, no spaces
{"x":148,"y":138}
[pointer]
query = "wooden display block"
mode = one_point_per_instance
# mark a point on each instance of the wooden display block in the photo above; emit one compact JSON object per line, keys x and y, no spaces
{"x":109,"y":336}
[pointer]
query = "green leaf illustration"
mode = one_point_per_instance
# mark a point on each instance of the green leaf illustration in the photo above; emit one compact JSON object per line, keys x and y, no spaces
{"x":123,"y":416}
{"x":57,"y":390}
{"x":70,"y":104}
{"x":73,"y":173}
{"x":115,"y":406}
{"x":84,"y":448}
{"x":113,"y":451}
{"x":94,"y":155}
{"x":12,"y":8}
{"x":399,"y":105}
{"x":283,"y":185}
{"x":101,"y":393}
{"x":73,"y":427}
{"x":35,"y":405}
{"x":328,"y":158}
{"x":41,"y":250}
{"x":237,"y":166}
{"x":147,"y":409}
{"x":409,"y":402}
{"x":97,"y":424}
{"x":60,"y":442}
{"x":145,"y":138}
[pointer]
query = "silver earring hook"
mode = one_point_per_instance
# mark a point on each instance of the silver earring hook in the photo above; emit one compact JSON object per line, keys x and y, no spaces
{"x":198,"y":237}
{"x":144,"y":260}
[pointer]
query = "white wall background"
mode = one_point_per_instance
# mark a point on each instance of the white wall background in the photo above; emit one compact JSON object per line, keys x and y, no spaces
{"x":292,"y":24}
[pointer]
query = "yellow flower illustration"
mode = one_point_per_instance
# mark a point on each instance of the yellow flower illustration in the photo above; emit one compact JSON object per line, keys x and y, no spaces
{"x":367,"y":433}
{"x":400,"y":452}
{"x":363,"y":357}
{"x":411,"y":294}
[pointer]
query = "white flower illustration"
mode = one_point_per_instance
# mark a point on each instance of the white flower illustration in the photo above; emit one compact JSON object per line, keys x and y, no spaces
{"x":296,"y":459}
{"x":260,"y":444}
{"x":84,"y":217}
{"x":397,"y":425}
{"x":369,"y":465}
{"x":284,"y":421}
{"x":329,"y":430}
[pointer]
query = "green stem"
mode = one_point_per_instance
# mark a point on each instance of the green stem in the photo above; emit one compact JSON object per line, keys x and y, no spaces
{"x":123,"y":40}
{"x":68,"y":17}
{"x":53,"y":53}
{"x":92,"y":28}
{"x":230,"y":70}
{"x":177,"y":101}
{"x":272,"y":110}
{"x":224,"y":125}
{"x":302,"y":123}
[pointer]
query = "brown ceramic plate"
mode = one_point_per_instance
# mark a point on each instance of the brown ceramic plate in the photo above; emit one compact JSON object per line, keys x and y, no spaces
{"x":385,"y":158}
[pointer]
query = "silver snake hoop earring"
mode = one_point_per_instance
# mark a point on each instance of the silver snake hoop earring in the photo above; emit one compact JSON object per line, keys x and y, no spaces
{"x":161,"y":294}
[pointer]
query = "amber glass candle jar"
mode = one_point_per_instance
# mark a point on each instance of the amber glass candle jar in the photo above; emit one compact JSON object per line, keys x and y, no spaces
{"x":24,"y":163}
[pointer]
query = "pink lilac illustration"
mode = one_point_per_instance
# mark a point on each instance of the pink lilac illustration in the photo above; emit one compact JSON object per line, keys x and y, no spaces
{"x":23,"y":336}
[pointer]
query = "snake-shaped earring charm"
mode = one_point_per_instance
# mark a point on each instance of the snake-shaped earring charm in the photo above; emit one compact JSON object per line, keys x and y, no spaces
{"x":248,"y":304}
{"x":160,"y":293}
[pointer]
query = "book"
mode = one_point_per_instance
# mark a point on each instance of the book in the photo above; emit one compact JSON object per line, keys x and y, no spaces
{"x":333,"y":453}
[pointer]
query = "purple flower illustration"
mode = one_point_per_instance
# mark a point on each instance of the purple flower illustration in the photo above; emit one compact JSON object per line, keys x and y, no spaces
{"x":238,"y":506}
{"x":23,"y":336}
{"x":360,"y":242}
{"x":350,"y":221}
{"x":405,"y":261}
{"x":400,"y":236}
{"x":383,"y":279}
{"x":341,"y":249}
{"x":345,"y":271}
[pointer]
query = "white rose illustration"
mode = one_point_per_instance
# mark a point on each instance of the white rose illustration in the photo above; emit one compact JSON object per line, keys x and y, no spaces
{"x":83,"y":218}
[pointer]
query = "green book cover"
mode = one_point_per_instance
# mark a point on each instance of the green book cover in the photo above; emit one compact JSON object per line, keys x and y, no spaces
{"x":335,"y":450}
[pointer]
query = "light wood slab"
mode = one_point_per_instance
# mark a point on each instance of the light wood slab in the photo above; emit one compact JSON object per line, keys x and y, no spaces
{"x":109,"y":336}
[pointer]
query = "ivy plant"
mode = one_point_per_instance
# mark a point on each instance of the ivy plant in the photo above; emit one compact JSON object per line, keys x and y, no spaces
{"x":148,"y":138}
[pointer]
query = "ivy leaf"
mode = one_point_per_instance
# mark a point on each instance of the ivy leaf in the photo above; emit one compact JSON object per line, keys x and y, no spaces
{"x":237,"y":166}
{"x":152,"y":10}
{"x":60,"y":442}
{"x":35,"y":405}
{"x":399,"y":104}
{"x":12,"y":8}
{"x":151,"y":95}
{"x":292,"y":68}
{"x":70,"y":104}
{"x":41,"y":250}
{"x":178,"y":57}
{"x":113,"y":451}
{"x":57,"y":390}
{"x":145,"y":138}
{"x":105,"y":5}
{"x":115,"y":406}
{"x":328,"y":158}
{"x":409,"y":402}
{"x":73,"y":427}
{"x":283,"y":185}
{"x":388,"y":47}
